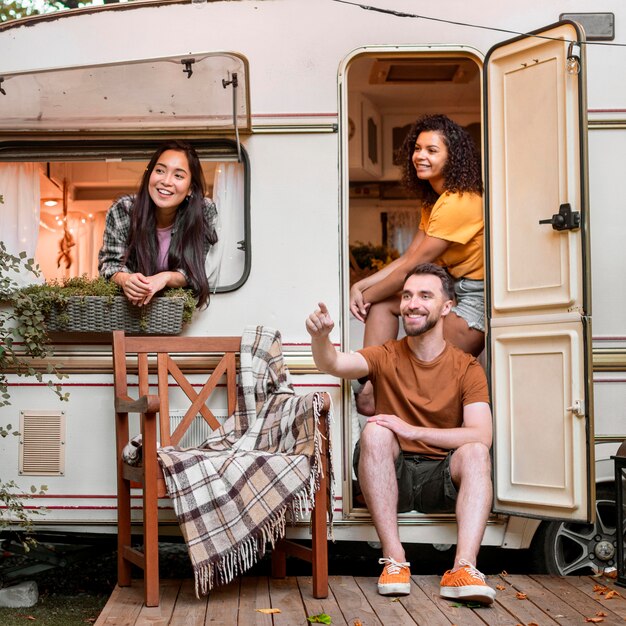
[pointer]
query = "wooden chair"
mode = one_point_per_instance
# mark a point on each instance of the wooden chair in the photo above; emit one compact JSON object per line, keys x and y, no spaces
{"x":158,"y":355}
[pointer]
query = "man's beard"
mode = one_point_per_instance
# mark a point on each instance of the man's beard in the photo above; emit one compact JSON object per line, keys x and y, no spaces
{"x":431,"y":322}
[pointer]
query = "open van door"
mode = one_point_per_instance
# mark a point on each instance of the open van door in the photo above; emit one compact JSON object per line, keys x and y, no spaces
{"x":539,"y":299}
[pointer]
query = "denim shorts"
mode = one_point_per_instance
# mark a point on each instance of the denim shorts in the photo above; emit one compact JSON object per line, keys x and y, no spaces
{"x":470,"y":302}
{"x":424,"y":484}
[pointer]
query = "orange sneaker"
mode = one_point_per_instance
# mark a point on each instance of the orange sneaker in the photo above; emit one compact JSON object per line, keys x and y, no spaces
{"x":467,"y":584}
{"x":395,"y":579}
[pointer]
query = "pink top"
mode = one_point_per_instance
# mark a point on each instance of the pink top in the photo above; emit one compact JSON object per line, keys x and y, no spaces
{"x":164,"y":236}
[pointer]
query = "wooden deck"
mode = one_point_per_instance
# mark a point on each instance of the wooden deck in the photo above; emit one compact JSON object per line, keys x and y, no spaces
{"x":353,"y":601}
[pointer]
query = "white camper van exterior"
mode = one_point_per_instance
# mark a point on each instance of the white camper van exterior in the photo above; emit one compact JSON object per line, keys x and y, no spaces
{"x":307,"y":137}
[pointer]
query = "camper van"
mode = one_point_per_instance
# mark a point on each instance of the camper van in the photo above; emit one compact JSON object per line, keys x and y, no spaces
{"x":297,"y":109}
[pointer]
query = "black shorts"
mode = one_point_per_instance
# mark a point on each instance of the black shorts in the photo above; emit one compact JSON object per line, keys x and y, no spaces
{"x":424,"y":484}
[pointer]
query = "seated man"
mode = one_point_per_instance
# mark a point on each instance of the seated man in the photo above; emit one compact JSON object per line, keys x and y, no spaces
{"x":432,"y":430}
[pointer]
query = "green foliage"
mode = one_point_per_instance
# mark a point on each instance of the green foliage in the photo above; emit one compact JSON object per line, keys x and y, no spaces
{"x":12,"y":508}
{"x":322,"y":618}
{"x":369,"y":256}
{"x":23,"y":333}
{"x":14,"y":513}
{"x":190,"y":301}
{"x":14,"y":9}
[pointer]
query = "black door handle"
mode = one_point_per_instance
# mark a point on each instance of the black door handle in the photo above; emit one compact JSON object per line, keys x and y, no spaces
{"x":565,"y":219}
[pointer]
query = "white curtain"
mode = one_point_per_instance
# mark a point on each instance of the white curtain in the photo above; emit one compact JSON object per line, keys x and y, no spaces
{"x":225,"y":263}
{"x":19,"y":214}
{"x":401,"y":228}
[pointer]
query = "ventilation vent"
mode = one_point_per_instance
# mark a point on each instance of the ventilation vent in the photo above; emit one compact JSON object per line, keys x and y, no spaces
{"x":197,"y":432}
{"x":42,"y":443}
{"x":409,"y":71}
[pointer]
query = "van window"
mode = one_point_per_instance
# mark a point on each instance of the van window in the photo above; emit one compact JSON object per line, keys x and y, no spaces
{"x":55,"y":203}
{"x":204,"y":90}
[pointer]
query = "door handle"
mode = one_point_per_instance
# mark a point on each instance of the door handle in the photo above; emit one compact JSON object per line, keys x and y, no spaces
{"x":565,"y":219}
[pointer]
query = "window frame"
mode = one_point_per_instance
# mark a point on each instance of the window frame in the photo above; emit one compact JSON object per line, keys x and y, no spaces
{"x":141,"y":149}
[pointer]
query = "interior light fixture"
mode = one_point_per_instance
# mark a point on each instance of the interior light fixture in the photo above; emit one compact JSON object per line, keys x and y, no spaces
{"x":50,"y":202}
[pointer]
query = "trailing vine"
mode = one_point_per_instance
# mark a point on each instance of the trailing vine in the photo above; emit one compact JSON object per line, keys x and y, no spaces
{"x":23,"y":332}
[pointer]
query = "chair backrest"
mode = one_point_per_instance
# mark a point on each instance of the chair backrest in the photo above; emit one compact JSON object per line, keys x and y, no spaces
{"x":216,"y":356}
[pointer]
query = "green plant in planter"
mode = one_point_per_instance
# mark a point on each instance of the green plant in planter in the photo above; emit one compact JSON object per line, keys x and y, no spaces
{"x":54,"y":297}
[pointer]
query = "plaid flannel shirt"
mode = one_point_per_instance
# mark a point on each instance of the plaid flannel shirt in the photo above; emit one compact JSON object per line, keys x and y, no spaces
{"x":117,"y":228}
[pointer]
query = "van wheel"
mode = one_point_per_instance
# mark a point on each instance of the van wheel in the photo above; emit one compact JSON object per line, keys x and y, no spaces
{"x":564,"y":548}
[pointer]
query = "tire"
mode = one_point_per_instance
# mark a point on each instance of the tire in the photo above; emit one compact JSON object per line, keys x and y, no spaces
{"x":570,"y":548}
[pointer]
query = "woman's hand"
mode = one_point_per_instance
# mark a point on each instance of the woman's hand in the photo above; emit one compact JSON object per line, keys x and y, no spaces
{"x":140,"y":289}
{"x":136,"y":287}
{"x":358,"y":306}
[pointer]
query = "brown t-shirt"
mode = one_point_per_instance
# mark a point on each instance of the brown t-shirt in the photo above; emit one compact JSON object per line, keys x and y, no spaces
{"x":424,"y":393}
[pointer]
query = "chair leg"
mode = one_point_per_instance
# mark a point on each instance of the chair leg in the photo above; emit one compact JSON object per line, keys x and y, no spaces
{"x":123,"y":531}
{"x":279,"y":563}
{"x":151,"y":580}
{"x":151,"y":557}
{"x":319,"y":543}
{"x":150,"y":513}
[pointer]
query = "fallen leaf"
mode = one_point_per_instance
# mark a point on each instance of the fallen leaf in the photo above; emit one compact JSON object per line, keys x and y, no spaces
{"x":601,"y":614}
{"x":30,"y":617}
{"x":612,"y":594}
{"x":357,"y":622}
{"x":395,"y":600}
{"x":611,"y":574}
{"x":268,"y":611}
{"x":500,"y":587}
{"x":504,"y":573}
{"x":521,"y":596}
{"x":321,"y":618}
{"x":594,"y":620}
{"x":600,"y":589}
{"x":532,"y":624}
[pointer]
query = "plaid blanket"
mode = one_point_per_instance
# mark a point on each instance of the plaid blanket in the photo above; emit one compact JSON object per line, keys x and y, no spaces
{"x":232,"y":494}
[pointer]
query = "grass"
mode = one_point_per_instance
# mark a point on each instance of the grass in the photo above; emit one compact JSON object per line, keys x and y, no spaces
{"x":72,"y":595}
{"x":57,"y":610}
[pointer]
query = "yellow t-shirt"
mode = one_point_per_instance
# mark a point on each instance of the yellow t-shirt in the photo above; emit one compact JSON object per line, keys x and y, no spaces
{"x":458,"y":218}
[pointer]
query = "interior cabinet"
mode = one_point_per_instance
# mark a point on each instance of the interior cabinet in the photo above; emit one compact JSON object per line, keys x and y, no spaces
{"x":365,"y":139}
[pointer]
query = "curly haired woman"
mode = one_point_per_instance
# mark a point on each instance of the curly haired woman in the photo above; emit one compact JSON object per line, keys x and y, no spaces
{"x":443,"y":169}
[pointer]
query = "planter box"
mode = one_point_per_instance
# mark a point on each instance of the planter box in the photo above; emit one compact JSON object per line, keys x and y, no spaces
{"x":94,"y":314}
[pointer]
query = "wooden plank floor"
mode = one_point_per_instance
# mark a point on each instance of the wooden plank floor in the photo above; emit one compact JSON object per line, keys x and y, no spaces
{"x":353,"y":601}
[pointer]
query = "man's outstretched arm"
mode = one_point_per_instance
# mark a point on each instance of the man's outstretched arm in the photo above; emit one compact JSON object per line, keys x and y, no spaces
{"x":341,"y":364}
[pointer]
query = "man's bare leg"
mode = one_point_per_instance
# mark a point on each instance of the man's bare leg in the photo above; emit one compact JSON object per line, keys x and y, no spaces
{"x":459,"y":334}
{"x":381,"y":325}
{"x":377,"y":479}
{"x":470,"y":468}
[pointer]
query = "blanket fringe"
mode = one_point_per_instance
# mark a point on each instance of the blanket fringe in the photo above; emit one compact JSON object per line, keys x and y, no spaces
{"x":241,"y":558}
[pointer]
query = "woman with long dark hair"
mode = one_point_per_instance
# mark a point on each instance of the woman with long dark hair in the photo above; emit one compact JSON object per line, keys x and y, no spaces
{"x":161,"y":236}
{"x":442,"y":167}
